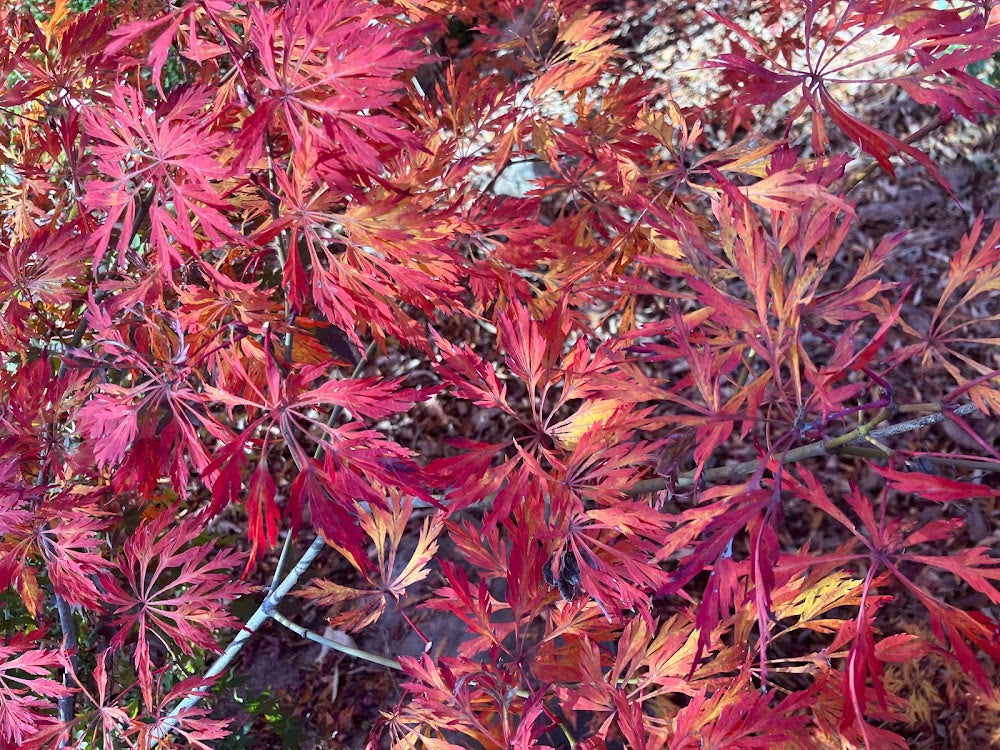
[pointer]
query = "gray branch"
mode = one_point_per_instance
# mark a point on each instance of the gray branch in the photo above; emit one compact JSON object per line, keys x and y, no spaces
{"x":274,"y":596}
{"x":812,"y":450}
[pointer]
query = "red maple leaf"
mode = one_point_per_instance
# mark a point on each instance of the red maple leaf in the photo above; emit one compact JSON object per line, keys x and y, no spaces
{"x":163,"y":160}
{"x":328,"y":74}
{"x":172,"y":588}
{"x":27,"y":693}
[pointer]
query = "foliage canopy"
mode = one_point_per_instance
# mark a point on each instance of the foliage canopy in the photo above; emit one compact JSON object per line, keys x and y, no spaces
{"x":211,"y":210}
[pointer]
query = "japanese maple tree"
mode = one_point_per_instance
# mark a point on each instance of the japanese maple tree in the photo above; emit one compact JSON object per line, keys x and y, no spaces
{"x":680,"y":473}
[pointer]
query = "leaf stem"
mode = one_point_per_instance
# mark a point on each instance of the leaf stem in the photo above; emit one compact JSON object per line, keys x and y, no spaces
{"x":334,"y":414}
{"x":849,"y":182}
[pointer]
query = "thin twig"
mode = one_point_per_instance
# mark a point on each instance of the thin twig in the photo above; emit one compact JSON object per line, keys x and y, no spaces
{"x":970,"y":464}
{"x":67,"y":703}
{"x":335,"y":645}
{"x":857,"y":436}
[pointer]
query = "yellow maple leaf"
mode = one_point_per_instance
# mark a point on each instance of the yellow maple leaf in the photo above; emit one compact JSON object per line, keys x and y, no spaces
{"x":567,"y":433}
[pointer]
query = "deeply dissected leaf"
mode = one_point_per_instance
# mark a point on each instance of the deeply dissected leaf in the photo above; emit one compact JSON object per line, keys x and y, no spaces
{"x":28,"y":688}
{"x":173,"y":589}
{"x":385,"y":528}
{"x":920,"y":48}
{"x":162,"y":162}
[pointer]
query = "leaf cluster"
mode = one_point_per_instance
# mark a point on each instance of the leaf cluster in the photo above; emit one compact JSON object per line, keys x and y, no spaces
{"x":248,"y":248}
